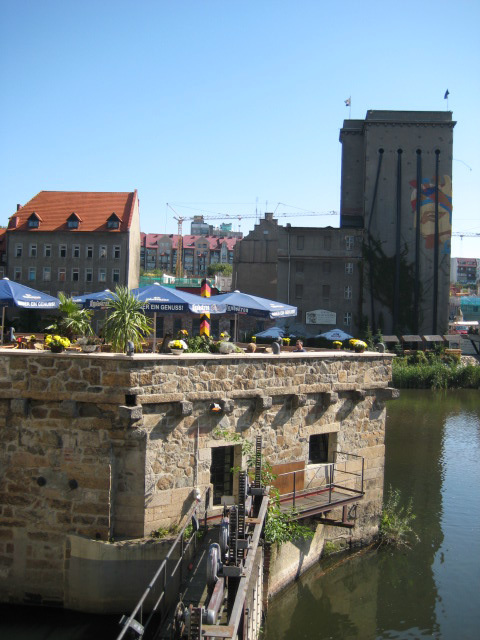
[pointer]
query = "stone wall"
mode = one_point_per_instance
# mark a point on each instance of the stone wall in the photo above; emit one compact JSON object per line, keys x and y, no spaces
{"x":108,"y":447}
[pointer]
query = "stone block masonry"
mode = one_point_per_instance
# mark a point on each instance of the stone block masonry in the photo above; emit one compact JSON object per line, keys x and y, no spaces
{"x":105,"y":448}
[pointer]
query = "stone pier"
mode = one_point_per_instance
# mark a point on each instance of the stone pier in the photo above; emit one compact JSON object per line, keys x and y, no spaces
{"x":99,"y":450}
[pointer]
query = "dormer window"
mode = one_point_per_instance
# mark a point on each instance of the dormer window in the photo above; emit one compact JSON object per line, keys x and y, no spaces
{"x":73,"y":221}
{"x":33,"y":221}
{"x":113,"y":221}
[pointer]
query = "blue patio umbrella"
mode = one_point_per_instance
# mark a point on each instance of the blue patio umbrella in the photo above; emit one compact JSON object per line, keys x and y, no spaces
{"x":272,"y":332}
{"x":246,"y":304}
{"x":14,"y":294}
{"x":158,"y":298}
{"x":334,"y":334}
{"x":94,"y":300}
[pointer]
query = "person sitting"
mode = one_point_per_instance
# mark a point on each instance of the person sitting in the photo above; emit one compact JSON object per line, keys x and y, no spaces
{"x":299,"y":346}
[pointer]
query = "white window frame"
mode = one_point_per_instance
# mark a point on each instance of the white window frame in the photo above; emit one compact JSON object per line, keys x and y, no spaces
{"x":349,"y":243}
{"x":17,"y":275}
{"x":102,"y":251}
{"x":115,"y":275}
{"x":18,"y":250}
{"x":347,"y":292}
{"x":32,"y":250}
{"x":62,"y":248}
{"x":89,"y":251}
{"x":116,"y":252}
{"x":32,"y":274}
{"x":47,"y":251}
{"x":76,"y":251}
{"x":102,"y":275}
{"x":75,"y":270}
{"x":47,"y":274}
{"x":347,"y":319}
{"x":88,"y":275}
{"x":349,"y":268}
{"x":62,"y":274}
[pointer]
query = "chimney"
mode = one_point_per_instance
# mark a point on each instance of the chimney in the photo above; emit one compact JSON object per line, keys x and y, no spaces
{"x":19,"y":206}
{"x":269,"y":216}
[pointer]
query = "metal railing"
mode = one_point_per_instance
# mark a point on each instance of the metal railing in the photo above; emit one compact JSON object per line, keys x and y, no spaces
{"x":164,"y":578}
{"x":334,"y":478}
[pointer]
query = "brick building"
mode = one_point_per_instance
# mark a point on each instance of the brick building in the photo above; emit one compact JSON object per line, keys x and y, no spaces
{"x":75,"y":242}
{"x":159,"y":251}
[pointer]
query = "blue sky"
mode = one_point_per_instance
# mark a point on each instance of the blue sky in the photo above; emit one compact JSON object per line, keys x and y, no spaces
{"x":225,"y":108}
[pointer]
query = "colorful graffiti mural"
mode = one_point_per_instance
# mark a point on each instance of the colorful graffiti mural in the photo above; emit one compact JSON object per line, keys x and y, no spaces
{"x":427,"y":211}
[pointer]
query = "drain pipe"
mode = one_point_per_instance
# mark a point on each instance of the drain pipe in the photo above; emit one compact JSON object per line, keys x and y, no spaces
{"x":436,"y":247}
{"x":396,"y":286}
{"x":416,"y":293}
{"x":370,"y":270}
{"x":289,"y":263}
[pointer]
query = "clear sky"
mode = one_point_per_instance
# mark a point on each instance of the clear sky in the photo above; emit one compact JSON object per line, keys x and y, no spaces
{"x":223,"y":107}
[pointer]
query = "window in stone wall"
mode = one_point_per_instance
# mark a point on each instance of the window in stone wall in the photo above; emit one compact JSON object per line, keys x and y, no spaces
{"x":221,"y":476}
{"x":318,"y":448}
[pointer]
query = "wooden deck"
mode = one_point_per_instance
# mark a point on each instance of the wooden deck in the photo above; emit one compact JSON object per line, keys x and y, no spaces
{"x":314,"y":502}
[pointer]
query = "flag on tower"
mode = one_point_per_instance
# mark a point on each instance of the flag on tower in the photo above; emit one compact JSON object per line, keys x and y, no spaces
{"x":447,"y":93}
{"x":347,"y":102}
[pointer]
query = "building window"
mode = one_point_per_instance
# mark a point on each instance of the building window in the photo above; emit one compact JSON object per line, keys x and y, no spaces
{"x":88,"y":275}
{"x":326,"y":291}
{"x":17,"y":273}
{"x":299,"y":291}
{"x":62,"y":251}
{"x":318,"y":448}
{"x":196,"y":327}
{"x":72,"y":223}
{"x":32,"y":274}
{"x":47,"y":274}
{"x":221,"y":476}
{"x":349,"y":242}
{"x":18,"y":250}
{"x":347,"y":319}
{"x":327,"y":242}
{"x":347,"y":293}
{"x":102,"y":275}
{"x":75,"y":275}
{"x":33,"y":223}
{"x":47,"y":251}
{"x":300,"y":242}
{"x":76,"y":251}
{"x":116,"y":275}
{"x":102,"y":251}
{"x":89,"y":251}
{"x":116,"y":252}
{"x":327,"y":268}
{"x":349,"y":268}
{"x":62,"y":274}
{"x":32,"y":251}
{"x":299,"y":266}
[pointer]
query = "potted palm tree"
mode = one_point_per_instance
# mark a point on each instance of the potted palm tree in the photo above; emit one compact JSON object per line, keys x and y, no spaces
{"x":126,"y":321}
{"x":72,"y":321}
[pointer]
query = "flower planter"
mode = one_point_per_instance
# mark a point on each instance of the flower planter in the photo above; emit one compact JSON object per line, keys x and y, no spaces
{"x":56,"y":348}
{"x":89,"y":348}
{"x":176,"y":352}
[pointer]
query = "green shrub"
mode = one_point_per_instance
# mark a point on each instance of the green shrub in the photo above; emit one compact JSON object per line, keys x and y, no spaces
{"x":396,"y":524}
{"x":434,"y":372}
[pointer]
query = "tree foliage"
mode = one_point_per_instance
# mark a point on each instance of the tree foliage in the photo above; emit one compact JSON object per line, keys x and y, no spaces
{"x":126,"y":321}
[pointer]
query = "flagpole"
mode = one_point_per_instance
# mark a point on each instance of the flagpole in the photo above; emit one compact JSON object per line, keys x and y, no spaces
{"x":350,"y":109}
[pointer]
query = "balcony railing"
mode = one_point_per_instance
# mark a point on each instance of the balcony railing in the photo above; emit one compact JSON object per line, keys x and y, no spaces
{"x":317,"y":490}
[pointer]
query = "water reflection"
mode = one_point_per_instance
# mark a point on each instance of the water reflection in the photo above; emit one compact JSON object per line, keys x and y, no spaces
{"x":433,"y":448}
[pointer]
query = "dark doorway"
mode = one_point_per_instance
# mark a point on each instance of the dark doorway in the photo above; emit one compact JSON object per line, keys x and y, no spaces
{"x":221,"y":476}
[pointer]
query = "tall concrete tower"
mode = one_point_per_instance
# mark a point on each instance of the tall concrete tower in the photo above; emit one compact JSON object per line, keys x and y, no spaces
{"x":397,"y":186}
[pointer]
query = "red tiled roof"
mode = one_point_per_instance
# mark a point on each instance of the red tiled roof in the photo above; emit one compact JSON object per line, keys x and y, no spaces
{"x":151,"y":240}
{"x":93,"y":209}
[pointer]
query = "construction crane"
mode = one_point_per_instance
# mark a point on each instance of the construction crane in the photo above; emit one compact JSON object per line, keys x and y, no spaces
{"x":466,"y":234}
{"x":179,"y":262}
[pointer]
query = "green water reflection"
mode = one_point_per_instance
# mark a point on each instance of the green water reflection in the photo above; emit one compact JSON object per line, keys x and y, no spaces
{"x":431,"y":591}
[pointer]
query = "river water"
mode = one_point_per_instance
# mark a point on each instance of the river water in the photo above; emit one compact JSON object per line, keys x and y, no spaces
{"x":430,"y":591}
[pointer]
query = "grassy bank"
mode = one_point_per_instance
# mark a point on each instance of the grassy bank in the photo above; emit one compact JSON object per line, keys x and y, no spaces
{"x":434,"y":371}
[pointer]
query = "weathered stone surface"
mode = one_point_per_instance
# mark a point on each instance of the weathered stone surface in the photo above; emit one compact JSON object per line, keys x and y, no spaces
{"x":72,"y":465}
